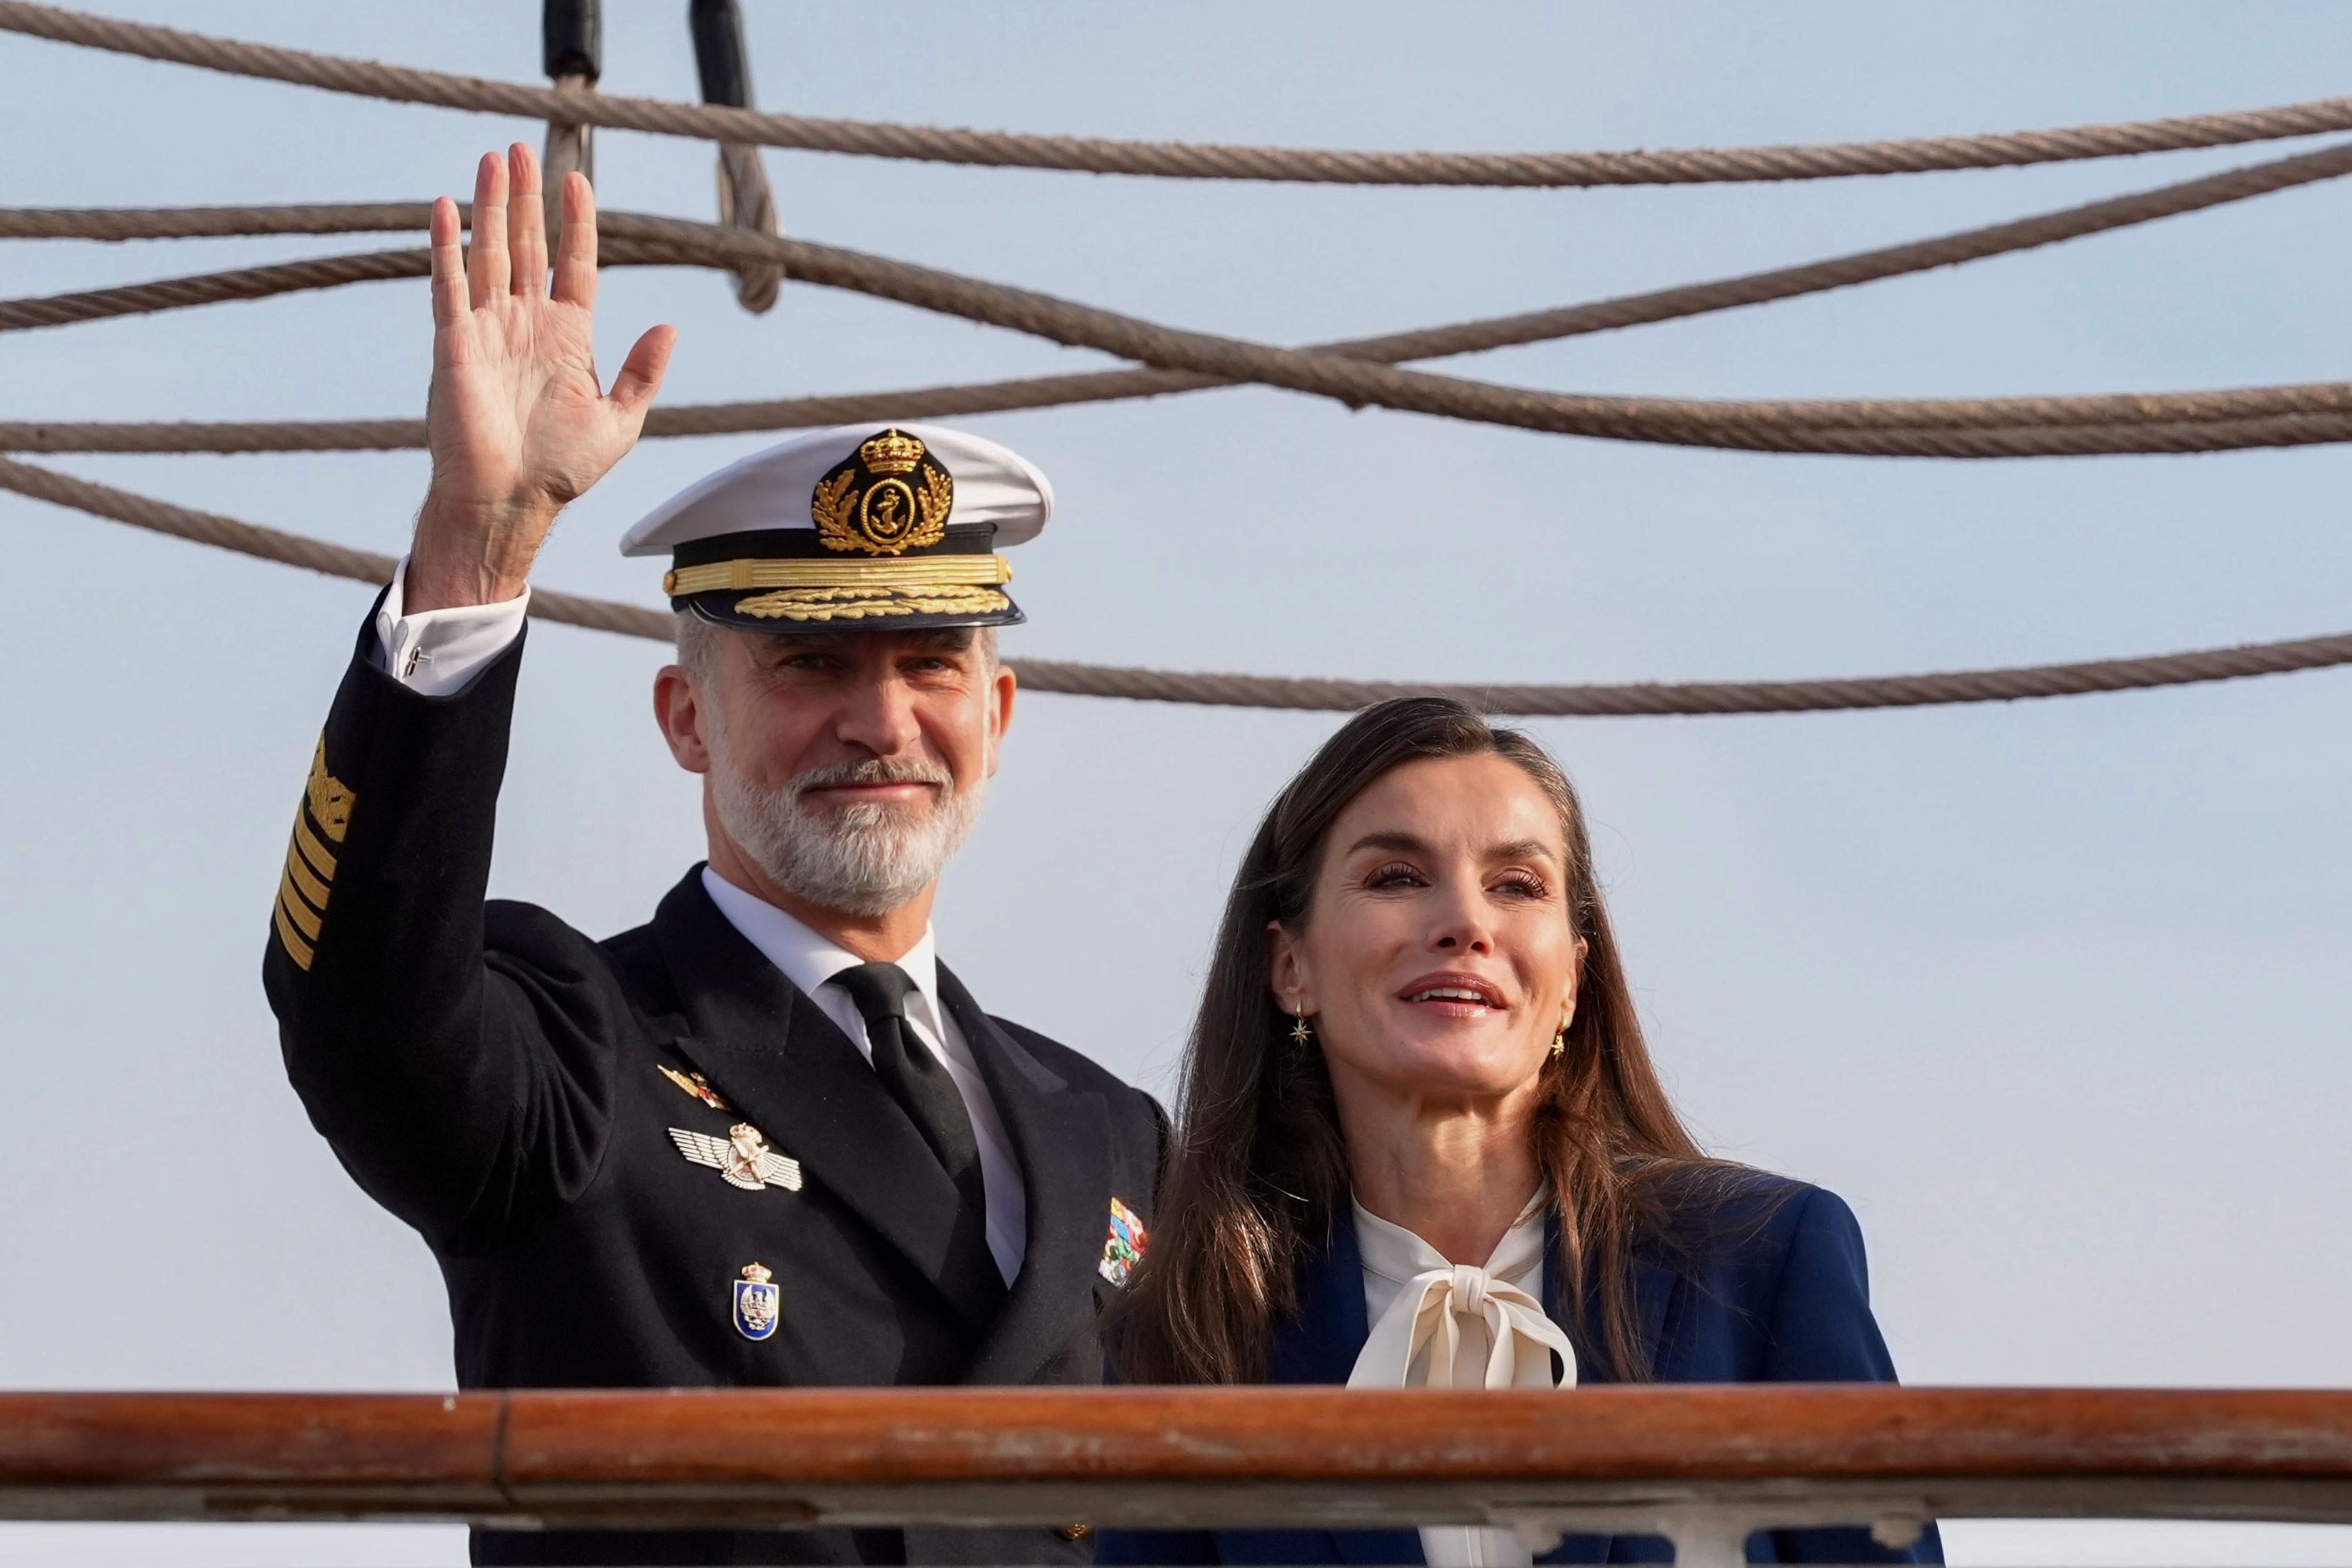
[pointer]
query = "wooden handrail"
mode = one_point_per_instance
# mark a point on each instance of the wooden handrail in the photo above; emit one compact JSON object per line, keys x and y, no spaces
{"x":1679,"y":1460}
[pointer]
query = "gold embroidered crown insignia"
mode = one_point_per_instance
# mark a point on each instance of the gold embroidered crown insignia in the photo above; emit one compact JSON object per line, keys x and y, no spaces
{"x":891,"y":452}
{"x":889,"y":496}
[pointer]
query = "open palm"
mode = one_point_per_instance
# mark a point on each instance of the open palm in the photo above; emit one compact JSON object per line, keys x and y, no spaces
{"x":517,"y":422}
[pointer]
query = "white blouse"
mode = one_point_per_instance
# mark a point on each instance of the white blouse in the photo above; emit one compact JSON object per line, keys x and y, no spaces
{"x":1439,"y":1326}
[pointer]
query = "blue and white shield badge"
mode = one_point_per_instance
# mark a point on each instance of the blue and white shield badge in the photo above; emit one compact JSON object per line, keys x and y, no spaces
{"x":756,"y":1303}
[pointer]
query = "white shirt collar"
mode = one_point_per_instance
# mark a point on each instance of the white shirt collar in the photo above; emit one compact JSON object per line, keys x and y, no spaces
{"x":808,"y":959}
{"x":1396,"y":1255}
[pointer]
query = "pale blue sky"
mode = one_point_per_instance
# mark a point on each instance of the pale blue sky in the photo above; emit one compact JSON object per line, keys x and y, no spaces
{"x":2046,"y":991}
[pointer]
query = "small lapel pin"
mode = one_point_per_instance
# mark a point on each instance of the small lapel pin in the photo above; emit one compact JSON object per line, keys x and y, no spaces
{"x":756,"y":1301}
{"x":696,"y":1084}
{"x":1123,"y":1248}
{"x":743,"y":1157}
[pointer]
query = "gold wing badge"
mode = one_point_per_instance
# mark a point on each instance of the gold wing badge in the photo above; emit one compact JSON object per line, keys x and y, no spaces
{"x":743,"y":1157}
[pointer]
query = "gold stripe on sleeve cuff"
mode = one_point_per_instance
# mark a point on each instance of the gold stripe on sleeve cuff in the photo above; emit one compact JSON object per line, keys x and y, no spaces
{"x":305,"y":879}
{"x":296,"y":948}
{"x":305,"y":919}
{"x":321,"y":859}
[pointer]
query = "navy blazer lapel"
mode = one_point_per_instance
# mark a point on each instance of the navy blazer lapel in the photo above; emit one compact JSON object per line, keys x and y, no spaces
{"x":779,"y":1060}
{"x":1320,"y":1345}
{"x":1062,"y":1138}
{"x":1653,"y":1291}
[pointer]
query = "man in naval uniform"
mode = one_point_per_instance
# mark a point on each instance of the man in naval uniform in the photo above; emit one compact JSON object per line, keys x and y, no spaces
{"x":767,"y":1138}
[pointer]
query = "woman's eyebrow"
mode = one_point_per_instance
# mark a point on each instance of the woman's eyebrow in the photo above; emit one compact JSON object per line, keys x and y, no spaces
{"x":1523,"y":849}
{"x":1400,"y":844}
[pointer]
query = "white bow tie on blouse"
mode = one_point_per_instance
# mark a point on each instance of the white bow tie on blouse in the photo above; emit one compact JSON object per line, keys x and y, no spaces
{"x":1437,"y":1324}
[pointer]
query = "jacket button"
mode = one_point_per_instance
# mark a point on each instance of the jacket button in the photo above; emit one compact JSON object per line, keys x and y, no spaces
{"x":1075,"y":1532}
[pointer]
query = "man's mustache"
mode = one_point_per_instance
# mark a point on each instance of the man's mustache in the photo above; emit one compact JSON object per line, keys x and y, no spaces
{"x":875,"y":770}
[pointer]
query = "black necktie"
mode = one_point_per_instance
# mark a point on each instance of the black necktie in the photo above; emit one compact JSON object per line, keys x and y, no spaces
{"x":918,"y":1079}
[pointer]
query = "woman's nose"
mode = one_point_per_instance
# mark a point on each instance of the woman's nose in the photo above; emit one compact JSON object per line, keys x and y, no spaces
{"x":1462,"y":926}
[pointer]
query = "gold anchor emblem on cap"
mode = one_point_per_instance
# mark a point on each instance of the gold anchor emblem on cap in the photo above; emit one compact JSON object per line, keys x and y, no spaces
{"x":888,"y":497}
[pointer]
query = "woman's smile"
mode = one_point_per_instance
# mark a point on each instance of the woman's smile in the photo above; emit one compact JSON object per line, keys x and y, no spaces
{"x":1454,"y":994}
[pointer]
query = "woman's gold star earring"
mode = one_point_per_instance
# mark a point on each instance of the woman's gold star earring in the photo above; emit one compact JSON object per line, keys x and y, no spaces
{"x":1559,"y":1041}
{"x":1299,"y":1033}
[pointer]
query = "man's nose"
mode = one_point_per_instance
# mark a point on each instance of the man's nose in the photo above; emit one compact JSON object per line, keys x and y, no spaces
{"x":878,"y":715}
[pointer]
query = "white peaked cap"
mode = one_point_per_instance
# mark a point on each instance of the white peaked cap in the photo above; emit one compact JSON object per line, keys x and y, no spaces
{"x":856,"y":527}
{"x":774,"y":488}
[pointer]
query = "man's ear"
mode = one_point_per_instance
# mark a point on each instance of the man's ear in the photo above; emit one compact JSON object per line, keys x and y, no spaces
{"x":1000,"y":689}
{"x":679,"y":709}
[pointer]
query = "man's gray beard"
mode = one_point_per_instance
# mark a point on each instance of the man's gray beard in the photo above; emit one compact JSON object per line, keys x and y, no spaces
{"x":865,"y":859}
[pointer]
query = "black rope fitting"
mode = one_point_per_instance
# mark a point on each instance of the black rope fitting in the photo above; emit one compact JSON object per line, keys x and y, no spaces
{"x":572,"y":38}
{"x":719,"y":54}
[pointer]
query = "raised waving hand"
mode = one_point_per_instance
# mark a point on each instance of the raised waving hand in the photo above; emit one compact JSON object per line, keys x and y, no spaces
{"x":517,"y":420}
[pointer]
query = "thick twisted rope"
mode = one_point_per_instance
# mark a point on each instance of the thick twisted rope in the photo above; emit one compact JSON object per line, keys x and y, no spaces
{"x":1889,"y":427}
{"x":1694,"y":698}
{"x":1175,"y":160}
{"x":1276,"y":691}
{"x":269,"y":281}
{"x":1470,"y":337}
{"x":295,"y":549}
{"x":855,"y":408}
{"x":209,"y":289}
{"x":1938,"y":427}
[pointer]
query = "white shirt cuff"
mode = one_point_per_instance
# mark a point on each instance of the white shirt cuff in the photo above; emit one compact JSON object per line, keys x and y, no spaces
{"x":437,"y":651}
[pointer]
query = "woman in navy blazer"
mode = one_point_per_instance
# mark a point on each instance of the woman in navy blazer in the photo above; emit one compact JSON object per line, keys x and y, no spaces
{"x":1423,"y":1145}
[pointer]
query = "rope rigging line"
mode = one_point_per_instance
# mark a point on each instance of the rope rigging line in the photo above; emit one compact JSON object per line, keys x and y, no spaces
{"x":1174,"y":160}
{"x":1471,"y":337}
{"x":1629,"y":700}
{"x":267,"y":282}
{"x":1361,"y":372}
{"x":1760,"y":424}
{"x":1938,"y":427}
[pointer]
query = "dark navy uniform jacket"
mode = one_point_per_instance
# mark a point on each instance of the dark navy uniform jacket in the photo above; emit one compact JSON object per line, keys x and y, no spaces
{"x":1771,"y":1290}
{"x":494,"y":1078}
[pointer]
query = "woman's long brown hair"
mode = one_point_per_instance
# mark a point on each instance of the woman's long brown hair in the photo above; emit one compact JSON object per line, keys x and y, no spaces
{"x":1258,"y":1175}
